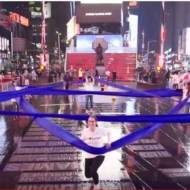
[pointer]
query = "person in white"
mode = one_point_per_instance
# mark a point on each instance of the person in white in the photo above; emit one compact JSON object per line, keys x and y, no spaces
{"x":175,"y":80}
{"x":34,"y":75}
{"x":80,"y":74}
{"x":94,"y":136}
{"x":89,"y":86}
{"x":14,"y":101}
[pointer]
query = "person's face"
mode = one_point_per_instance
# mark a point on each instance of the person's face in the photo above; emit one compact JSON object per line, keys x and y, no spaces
{"x":91,"y":123}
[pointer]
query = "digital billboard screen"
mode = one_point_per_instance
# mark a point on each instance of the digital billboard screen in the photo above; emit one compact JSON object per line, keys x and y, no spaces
{"x":98,"y":13}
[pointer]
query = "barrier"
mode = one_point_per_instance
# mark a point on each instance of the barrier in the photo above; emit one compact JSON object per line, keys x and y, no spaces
{"x":169,"y":118}
{"x":75,"y":141}
{"x":63,"y":134}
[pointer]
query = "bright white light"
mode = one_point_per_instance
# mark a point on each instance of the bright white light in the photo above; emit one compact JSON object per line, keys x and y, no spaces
{"x":84,"y":43}
{"x":116,"y":43}
{"x":101,"y":1}
{"x":187,"y":49}
{"x":3,"y":126}
{"x":130,"y":107}
{"x":133,"y":25}
{"x":3,"y":130}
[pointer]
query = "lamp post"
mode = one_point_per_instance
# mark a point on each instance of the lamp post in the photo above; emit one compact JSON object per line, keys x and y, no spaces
{"x":58,"y":42}
{"x":142,"y":43}
{"x":12,"y":45}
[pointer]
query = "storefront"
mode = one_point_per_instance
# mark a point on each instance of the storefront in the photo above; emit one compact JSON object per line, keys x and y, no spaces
{"x":5,"y":37}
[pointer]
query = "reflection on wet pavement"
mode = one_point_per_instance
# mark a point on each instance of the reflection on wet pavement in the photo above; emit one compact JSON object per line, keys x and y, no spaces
{"x":41,"y":160}
{"x":3,"y":137}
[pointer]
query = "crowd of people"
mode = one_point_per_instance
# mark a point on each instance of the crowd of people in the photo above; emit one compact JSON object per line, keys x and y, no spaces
{"x":151,"y":76}
{"x":178,"y":79}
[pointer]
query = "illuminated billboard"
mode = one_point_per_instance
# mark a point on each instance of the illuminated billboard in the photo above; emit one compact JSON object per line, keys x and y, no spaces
{"x":15,"y":17}
{"x":47,"y":10}
{"x":86,"y":41}
{"x":36,"y":10}
{"x":133,"y":31}
{"x":72,"y":28}
{"x":98,"y":13}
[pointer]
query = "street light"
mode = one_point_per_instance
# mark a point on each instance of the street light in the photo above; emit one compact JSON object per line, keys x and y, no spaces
{"x":58,"y":42}
{"x":142,"y":43}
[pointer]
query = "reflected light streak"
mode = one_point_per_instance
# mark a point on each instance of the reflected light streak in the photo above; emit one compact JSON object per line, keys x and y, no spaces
{"x":3,"y":136}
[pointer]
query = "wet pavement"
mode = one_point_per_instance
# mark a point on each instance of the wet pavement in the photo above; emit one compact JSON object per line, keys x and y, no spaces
{"x":40,"y":160}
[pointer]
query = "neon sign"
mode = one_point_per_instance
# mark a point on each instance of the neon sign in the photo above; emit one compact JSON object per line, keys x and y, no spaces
{"x":15,"y":17}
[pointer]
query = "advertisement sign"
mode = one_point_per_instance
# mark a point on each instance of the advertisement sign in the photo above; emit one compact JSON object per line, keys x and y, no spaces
{"x":36,"y":10}
{"x":133,"y":31}
{"x":36,"y":14}
{"x":98,"y":13}
{"x":72,"y":28}
{"x":47,"y":10}
{"x":15,"y":17}
{"x":86,"y":41}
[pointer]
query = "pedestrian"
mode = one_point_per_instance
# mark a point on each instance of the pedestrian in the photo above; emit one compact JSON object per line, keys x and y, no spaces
{"x":89,"y":86}
{"x":97,"y":76}
{"x":186,"y":93}
{"x":14,"y":101}
{"x":95,"y":136}
{"x":34,"y":75}
{"x":108,"y":73}
{"x":175,"y":80}
{"x":80,"y":74}
{"x":67,"y":79}
{"x":51,"y":77}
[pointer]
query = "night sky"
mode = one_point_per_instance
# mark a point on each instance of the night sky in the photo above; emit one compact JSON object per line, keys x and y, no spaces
{"x":150,"y":21}
{"x":61,"y":15}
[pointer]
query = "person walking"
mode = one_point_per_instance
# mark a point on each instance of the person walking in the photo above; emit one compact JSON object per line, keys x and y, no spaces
{"x":89,"y":86}
{"x":80,"y":74}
